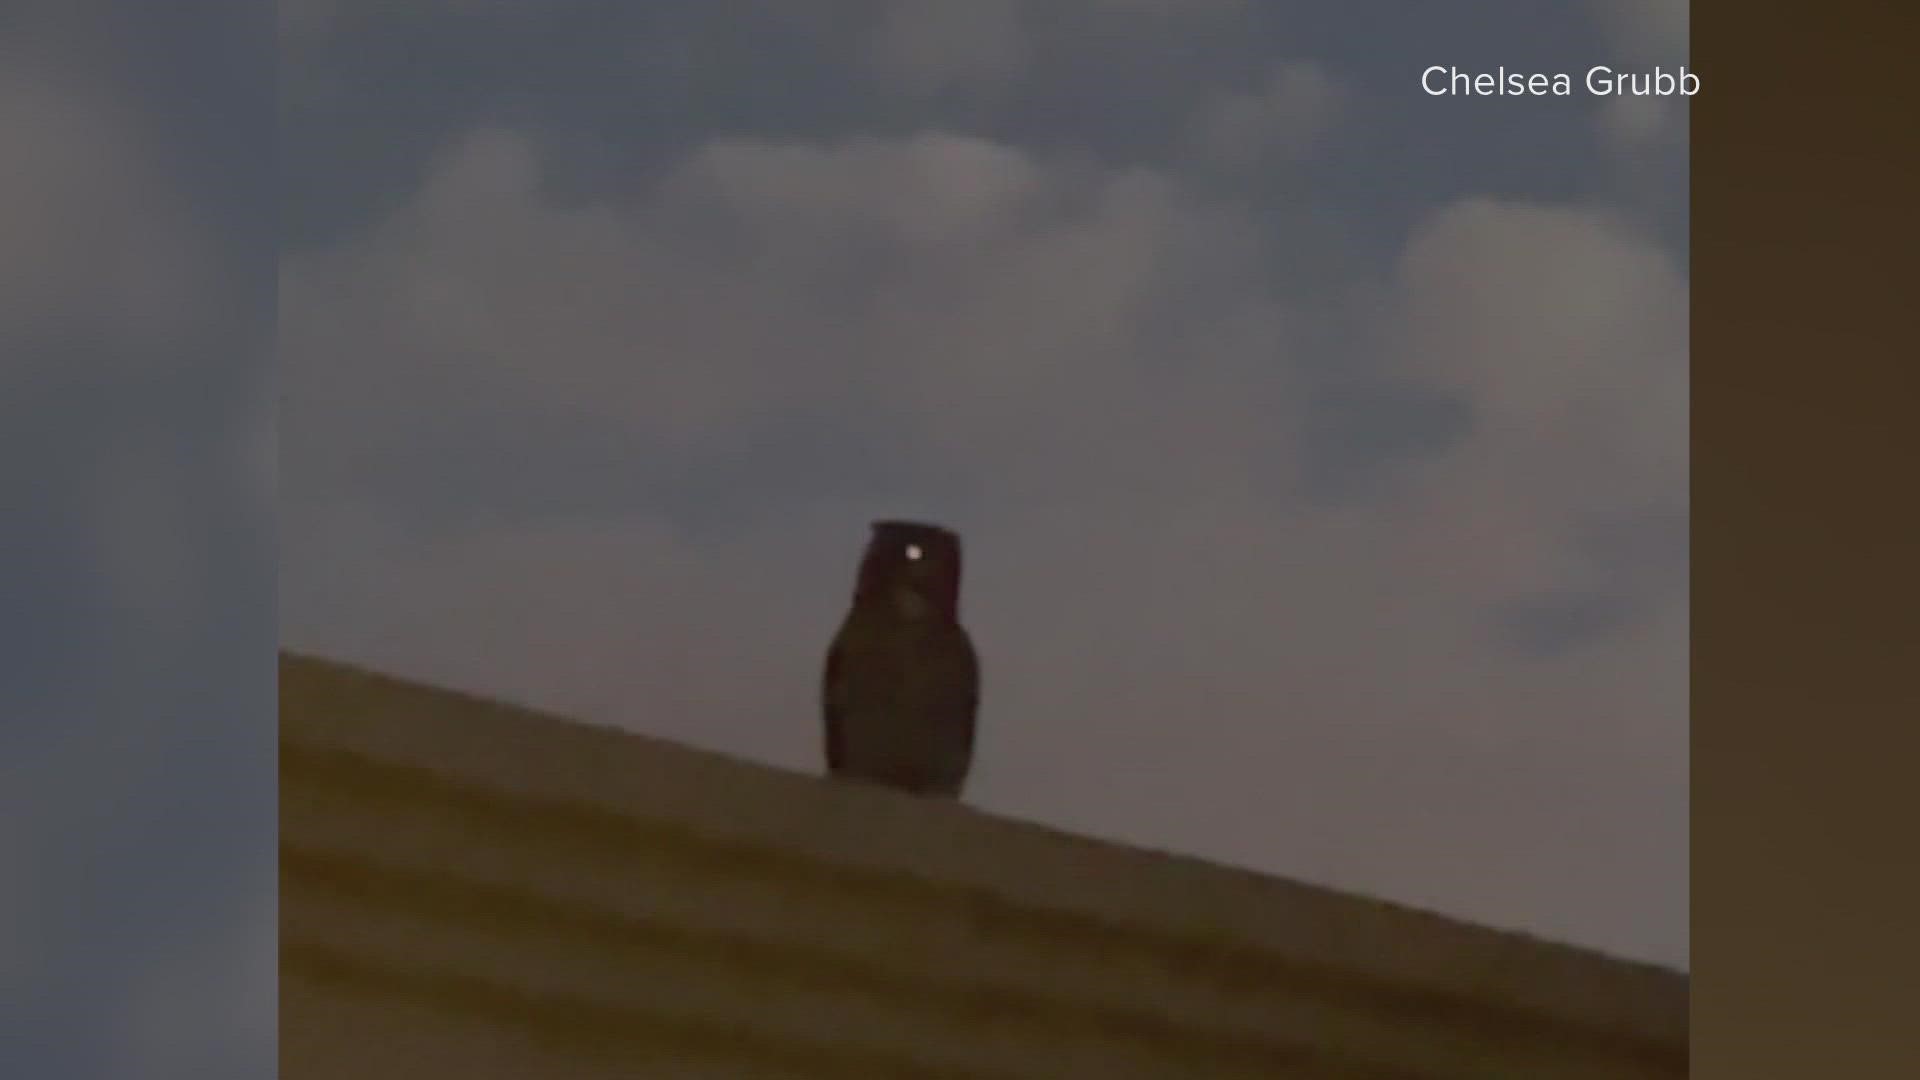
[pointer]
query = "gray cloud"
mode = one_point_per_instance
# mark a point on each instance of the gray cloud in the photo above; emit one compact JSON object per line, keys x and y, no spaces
{"x":96,"y":246}
{"x":1285,"y":115}
{"x":1647,"y":31}
{"x":1276,"y":557}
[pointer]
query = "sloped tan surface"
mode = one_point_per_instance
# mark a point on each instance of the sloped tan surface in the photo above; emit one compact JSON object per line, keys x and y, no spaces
{"x":474,"y":890}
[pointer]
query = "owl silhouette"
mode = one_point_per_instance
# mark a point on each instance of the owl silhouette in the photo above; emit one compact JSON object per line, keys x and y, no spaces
{"x":902,"y":682}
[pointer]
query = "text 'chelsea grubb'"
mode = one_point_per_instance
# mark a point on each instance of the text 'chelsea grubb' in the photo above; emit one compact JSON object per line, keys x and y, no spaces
{"x":1600,"y":81}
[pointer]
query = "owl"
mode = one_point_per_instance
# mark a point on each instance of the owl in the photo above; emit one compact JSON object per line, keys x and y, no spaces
{"x":902,"y":682}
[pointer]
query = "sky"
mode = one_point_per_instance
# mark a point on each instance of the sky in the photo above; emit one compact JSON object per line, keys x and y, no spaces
{"x":1319,"y":446}
{"x":137,"y":592}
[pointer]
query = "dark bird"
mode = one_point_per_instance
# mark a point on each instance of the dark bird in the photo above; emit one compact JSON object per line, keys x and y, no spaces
{"x":902,"y":682}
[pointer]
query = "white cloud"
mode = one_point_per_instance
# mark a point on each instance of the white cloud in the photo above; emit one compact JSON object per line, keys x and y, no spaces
{"x":1178,"y":653}
{"x":1646,"y":31}
{"x":926,"y":188}
{"x":1286,"y":116}
{"x":643,"y":315}
{"x":1628,"y":125}
{"x":1568,"y":331}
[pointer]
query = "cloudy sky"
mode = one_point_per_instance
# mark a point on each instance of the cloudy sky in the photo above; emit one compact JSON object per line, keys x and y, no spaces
{"x":137,"y":824}
{"x":1319,"y":445}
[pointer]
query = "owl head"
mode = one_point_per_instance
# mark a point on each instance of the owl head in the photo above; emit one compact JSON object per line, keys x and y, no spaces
{"x":913,"y":568}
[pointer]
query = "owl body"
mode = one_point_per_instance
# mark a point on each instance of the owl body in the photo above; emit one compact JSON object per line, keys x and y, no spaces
{"x":902,"y":683}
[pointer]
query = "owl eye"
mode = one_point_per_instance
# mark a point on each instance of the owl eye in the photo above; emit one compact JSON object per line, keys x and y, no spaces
{"x":913,"y":551}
